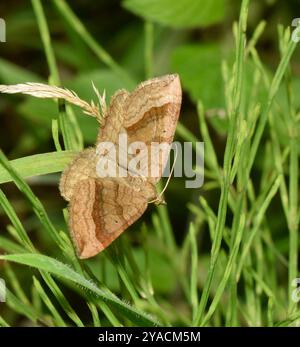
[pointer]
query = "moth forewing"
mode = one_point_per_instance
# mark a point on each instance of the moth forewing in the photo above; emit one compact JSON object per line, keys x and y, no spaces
{"x":102,"y":207}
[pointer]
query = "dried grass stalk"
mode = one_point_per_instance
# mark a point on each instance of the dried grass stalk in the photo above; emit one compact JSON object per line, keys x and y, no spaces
{"x":44,"y":91}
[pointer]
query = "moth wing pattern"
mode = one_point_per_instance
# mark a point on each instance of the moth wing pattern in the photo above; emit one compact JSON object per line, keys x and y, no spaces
{"x":99,"y":211}
{"x":83,"y":166}
{"x":151,"y":115}
{"x":114,"y":119}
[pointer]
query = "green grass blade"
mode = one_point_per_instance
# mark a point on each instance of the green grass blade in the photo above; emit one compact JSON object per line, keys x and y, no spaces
{"x":69,"y":16}
{"x":48,"y":302}
{"x":61,"y":299}
{"x":38,"y":164}
{"x":59,"y":269}
{"x":35,"y":202}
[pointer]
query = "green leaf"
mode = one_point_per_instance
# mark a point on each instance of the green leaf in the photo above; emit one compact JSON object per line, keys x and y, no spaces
{"x":13,"y":74}
{"x":57,"y":268}
{"x":296,"y":88}
{"x":38,"y":164}
{"x":26,"y":310}
{"x":60,"y":297}
{"x":105,"y":80}
{"x":199,"y":67}
{"x":38,"y":111}
{"x":38,"y":208}
{"x":10,"y":246}
{"x":20,"y":232}
{"x":42,"y":111}
{"x":179,"y":13}
{"x":3,"y":322}
{"x":48,"y":302}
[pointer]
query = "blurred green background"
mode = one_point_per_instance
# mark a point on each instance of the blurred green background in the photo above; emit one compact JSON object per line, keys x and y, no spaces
{"x":190,"y":37}
{"x":190,"y":42}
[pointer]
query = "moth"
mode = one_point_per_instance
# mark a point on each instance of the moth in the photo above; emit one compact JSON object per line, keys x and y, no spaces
{"x":101,"y":208}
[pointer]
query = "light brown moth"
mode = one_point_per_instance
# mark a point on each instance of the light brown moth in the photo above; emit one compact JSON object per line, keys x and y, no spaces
{"x":101,"y":208}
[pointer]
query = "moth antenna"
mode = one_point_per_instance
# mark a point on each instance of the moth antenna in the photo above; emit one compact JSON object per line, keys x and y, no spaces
{"x":159,"y":200}
{"x":169,"y":178}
